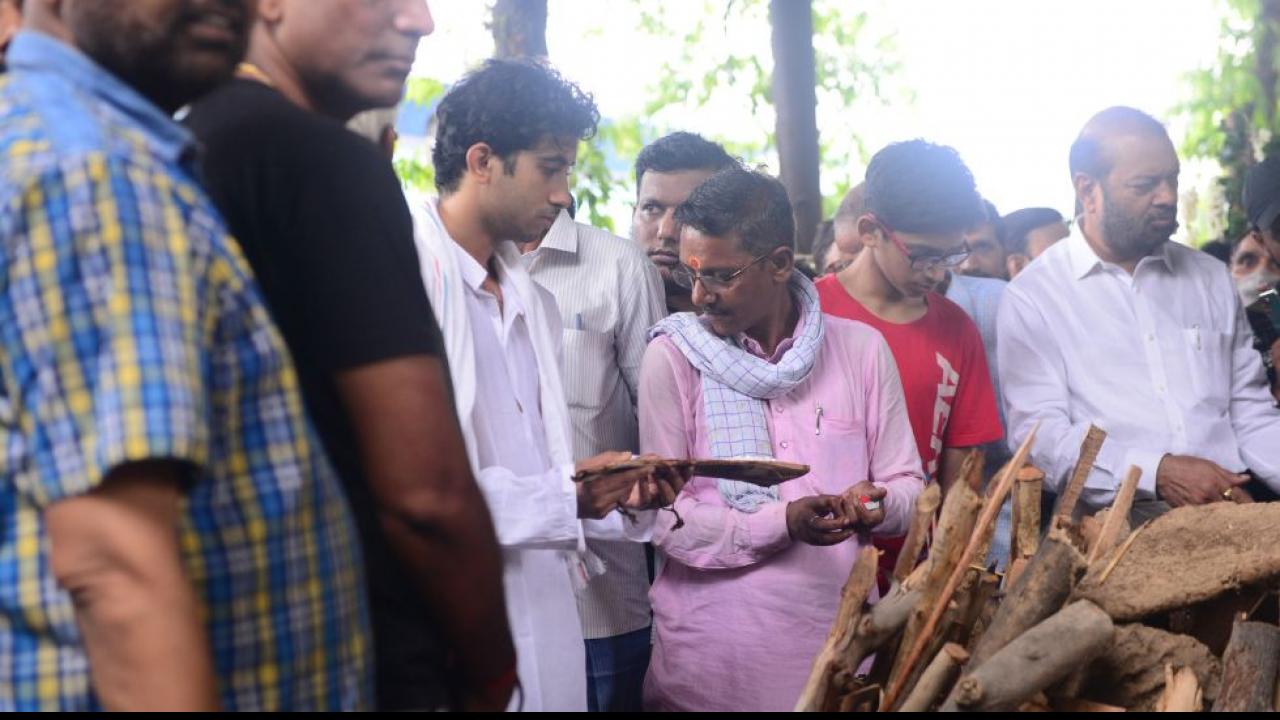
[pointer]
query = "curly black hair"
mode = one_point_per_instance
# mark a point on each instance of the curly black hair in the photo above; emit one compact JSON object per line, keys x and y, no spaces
{"x":919,"y":187}
{"x":748,"y":203}
{"x":510,"y":105}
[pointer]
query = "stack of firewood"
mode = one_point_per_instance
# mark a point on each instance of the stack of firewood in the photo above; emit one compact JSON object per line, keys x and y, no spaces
{"x":1177,"y":614}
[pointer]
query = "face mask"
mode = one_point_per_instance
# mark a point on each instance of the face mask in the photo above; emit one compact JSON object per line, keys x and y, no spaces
{"x":1251,"y":286}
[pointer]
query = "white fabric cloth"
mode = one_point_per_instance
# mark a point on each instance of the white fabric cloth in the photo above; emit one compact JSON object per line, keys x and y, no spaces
{"x":506,"y":377}
{"x":1162,"y":360}
{"x":609,"y":295}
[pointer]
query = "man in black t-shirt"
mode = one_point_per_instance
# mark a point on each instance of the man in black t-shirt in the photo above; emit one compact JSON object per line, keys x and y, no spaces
{"x":323,"y":222}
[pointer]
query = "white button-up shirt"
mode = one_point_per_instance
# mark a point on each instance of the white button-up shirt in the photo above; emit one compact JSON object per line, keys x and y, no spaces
{"x":1161,"y":359}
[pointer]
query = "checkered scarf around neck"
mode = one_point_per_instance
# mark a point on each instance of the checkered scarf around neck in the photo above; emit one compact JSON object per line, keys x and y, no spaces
{"x":736,"y":384}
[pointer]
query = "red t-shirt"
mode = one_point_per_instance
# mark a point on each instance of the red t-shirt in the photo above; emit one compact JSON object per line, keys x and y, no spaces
{"x":944,"y":372}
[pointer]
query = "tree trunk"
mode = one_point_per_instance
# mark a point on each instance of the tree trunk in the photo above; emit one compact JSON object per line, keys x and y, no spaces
{"x":519,"y":28}
{"x":1265,"y":58}
{"x":795,"y":99}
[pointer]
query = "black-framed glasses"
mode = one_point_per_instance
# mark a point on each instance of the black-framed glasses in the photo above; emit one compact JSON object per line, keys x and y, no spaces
{"x":714,"y":281}
{"x":924,"y":263}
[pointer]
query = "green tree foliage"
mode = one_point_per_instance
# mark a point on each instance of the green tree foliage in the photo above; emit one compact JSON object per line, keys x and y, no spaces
{"x":853,"y":67}
{"x":1231,"y":114}
{"x":414,"y":167}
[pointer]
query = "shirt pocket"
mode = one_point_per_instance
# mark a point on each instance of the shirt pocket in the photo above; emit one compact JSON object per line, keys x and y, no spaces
{"x":1209,"y":365}
{"x":842,"y":442}
{"x":590,"y":368}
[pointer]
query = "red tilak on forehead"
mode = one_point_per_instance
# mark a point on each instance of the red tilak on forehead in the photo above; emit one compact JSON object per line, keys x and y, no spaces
{"x":695,"y":262}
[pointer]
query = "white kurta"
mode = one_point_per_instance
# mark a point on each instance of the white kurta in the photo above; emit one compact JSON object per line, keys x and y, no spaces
{"x":504,"y":365}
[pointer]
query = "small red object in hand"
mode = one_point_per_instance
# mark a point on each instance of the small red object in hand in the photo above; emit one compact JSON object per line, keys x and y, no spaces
{"x":868,"y":503}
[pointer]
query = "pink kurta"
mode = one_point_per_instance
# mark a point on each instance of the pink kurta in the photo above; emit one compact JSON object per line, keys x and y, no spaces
{"x":740,"y":610}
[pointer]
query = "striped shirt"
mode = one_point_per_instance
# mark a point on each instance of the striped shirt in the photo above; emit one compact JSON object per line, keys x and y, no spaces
{"x":609,"y":296}
{"x":131,"y":329}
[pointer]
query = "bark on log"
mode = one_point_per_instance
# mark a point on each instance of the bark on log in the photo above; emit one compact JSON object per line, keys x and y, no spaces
{"x":937,"y":678}
{"x":1084,"y":465}
{"x":1024,"y":538}
{"x":960,"y":511}
{"x":1131,"y":673}
{"x":1249,"y":669}
{"x":519,"y":28}
{"x":927,"y":503}
{"x":795,"y":101}
{"x":1117,"y":517}
{"x":1181,"y":691}
{"x":1039,"y":592}
{"x":1043,"y":655}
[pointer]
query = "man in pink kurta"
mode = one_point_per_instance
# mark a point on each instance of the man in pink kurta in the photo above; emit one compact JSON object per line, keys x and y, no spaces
{"x":744,"y":599}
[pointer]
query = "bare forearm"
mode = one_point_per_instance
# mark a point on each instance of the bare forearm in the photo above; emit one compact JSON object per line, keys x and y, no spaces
{"x":148,"y":650}
{"x":457,"y":566}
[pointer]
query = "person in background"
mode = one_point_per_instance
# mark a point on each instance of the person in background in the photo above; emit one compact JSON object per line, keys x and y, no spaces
{"x":173,"y":536}
{"x":507,"y":137}
{"x":987,"y":257}
{"x":323,"y":221}
{"x":825,"y":253}
{"x":1219,"y":249}
{"x":844,"y":225}
{"x":751,"y":582}
{"x":1120,"y":327}
{"x":609,"y":295}
{"x":920,"y":201}
{"x":1255,"y":272}
{"x":1028,"y":233}
{"x":667,"y":170}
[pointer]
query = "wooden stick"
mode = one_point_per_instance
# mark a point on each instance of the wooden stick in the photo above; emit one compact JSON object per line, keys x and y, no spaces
{"x":1117,"y":516}
{"x":927,"y":503}
{"x":862,"y":579}
{"x":1249,"y":669}
{"x":1043,"y":655}
{"x":960,"y":510}
{"x":1181,"y":691}
{"x":1003,"y":486}
{"x":937,"y":678}
{"x":1076,"y":705}
{"x":1040,"y":591}
{"x":1024,"y":537}
{"x":1084,"y":465}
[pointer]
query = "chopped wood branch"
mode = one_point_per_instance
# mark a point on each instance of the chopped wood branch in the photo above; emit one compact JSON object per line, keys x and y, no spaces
{"x":1084,"y":465}
{"x":1024,"y":538}
{"x":937,"y":678}
{"x":819,"y":691}
{"x":927,"y":503}
{"x":1043,"y":655}
{"x":1117,"y":516}
{"x":1249,"y":669}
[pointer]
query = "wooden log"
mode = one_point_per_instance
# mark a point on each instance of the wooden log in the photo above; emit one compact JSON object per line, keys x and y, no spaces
{"x":927,"y":503}
{"x":819,"y":689}
{"x":1043,"y":655}
{"x":1024,"y":537}
{"x":1040,"y":592}
{"x":1076,"y":705}
{"x":1117,"y":517}
{"x":960,"y":511}
{"x":1249,"y":669}
{"x":937,"y":678}
{"x":1187,"y":556}
{"x":1084,"y":465}
{"x":972,"y":606}
{"x":1181,"y":691}
{"x":989,"y":511}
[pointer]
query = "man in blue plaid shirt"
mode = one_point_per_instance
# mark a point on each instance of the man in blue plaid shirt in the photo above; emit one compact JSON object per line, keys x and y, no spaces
{"x":171,"y":534}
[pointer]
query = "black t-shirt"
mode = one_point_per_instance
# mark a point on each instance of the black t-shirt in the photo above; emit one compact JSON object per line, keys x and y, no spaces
{"x":323,"y":222}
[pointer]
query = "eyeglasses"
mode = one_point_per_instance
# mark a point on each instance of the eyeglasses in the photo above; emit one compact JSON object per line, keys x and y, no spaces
{"x":923,"y":263}
{"x":714,"y":281}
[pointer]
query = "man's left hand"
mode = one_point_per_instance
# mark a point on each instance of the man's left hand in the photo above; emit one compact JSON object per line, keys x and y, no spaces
{"x":867,"y":519}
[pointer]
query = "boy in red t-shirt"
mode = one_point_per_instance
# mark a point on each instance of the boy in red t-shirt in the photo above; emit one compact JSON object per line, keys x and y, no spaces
{"x":920,"y":200}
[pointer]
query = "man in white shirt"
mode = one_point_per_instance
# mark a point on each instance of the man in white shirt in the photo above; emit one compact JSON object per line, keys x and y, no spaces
{"x":609,"y":295}
{"x":507,"y":137}
{"x":1146,"y":338}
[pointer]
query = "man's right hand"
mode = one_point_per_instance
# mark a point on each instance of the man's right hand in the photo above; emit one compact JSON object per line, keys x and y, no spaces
{"x":1185,"y":480}
{"x":603,"y":493}
{"x":820,"y":520}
